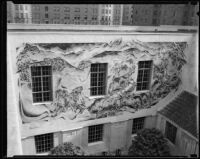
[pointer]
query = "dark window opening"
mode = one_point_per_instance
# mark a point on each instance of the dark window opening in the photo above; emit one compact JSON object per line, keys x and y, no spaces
{"x":44,"y":143}
{"x":95,"y":133}
{"x":98,"y":79}
{"x":46,"y":8}
{"x":170,"y":132}
{"x":144,"y":75}
{"x":138,"y":124}
{"x":41,"y":83}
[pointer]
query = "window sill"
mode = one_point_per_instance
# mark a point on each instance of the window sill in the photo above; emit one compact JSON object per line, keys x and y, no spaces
{"x":142,"y":91}
{"x":133,"y":136}
{"x":41,"y":103}
{"x":95,"y":143}
{"x":94,"y":97}
{"x":42,"y":154}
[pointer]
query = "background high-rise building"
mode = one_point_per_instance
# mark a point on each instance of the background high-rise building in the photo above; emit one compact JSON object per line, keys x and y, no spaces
{"x":77,"y":14}
{"x":166,"y":14}
{"x":10,"y":12}
{"x":110,"y":14}
{"x":104,"y":14}
{"x":65,"y":14}
{"x":22,"y":13}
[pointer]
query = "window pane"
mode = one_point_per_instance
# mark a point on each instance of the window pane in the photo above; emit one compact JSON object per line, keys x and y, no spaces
{"x":46,"y":83}
{"x":147,"y":64}
{"x":35,"y":71}
{"x":47,"y":96}
{"x":37,"y":97}
{"x":94,"y":67}
{"x":36,"y":84}
{"x":141,"y":64}
{"x":140,"y":75}
{"x":93,"y":91}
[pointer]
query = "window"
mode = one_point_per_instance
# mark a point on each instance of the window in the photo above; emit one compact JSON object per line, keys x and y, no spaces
{"x":46,"y":15}
{"x":98,"y":79}
{"x":170,"y":132}
{"x":21,"y":7}
{"x":174,"y":13}
{"x":67,"y":9}
{"x":41,"y":83}
{"x":154,"y":22}
{"x":46,"y":8}
{"x":138,"y":124}
{"x":77,"y":17}
{"x":16,"y":7}
{"x":44,"y":143}
{"x":144,"y":75}
{"x":67,"y":16}
{"x":95,"y":133}
{"x":26,"y":8}
{"x":77,"y":9}
{"x":155,"y":13}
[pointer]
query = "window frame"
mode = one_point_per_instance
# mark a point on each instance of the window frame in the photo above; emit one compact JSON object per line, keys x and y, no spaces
{"x":46,"y":8}
{"x":46,"y":144}
{"x":51,"y":85}
{"x":136,"y":122}
{"x":150,"y":76}
{"x":167,"y":130}
{"x":92,"y":136}
{"x":104,"y":80}
{"x":46,"y":15}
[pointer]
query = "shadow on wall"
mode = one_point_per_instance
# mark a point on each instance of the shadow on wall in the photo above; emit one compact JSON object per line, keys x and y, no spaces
{"x":71,"y":68}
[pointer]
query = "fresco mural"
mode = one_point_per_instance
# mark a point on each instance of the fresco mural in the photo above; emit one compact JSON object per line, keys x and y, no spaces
{"x":71,"y":77}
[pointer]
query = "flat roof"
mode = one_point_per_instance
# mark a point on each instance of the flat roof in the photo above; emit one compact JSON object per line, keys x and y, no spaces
{"x":115,"y":28}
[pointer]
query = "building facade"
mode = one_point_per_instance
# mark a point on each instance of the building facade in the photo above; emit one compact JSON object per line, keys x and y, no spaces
{"x":92,"y":88}
{"x":10,"y":12}
{"x":168,"y":14}
{"x":77,"y":14}
{"x":65,"y":14}
{"x":110,"y":14}
{"x":22,"y":13}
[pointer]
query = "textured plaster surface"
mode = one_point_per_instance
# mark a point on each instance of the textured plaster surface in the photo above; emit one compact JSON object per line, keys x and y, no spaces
{"x":71,"y":77}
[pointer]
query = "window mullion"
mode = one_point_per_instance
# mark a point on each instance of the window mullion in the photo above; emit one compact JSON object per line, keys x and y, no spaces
{"x":98,"y":80}
{"x":42,"y":84}
{"x":142,"y":78}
